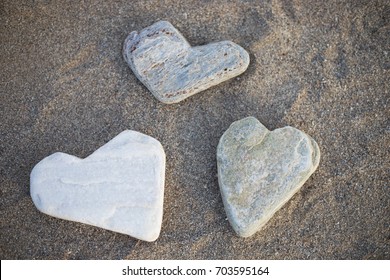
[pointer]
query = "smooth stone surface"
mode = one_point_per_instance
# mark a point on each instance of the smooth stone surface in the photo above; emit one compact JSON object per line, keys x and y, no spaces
{"x":260,"y":170}
{"x":172,"y":70}
{"x":119,"y":187}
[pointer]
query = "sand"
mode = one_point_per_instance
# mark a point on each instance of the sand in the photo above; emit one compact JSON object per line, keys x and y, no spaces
{"x":319,"y":66}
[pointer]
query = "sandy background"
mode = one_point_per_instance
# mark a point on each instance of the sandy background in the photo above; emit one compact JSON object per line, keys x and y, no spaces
{"x":320,"y":66}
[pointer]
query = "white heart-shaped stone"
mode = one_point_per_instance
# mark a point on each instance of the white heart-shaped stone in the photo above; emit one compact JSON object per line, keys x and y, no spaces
{"x":260,"y":170}
{"x":172,"y":70}
{"x":119,"y":187}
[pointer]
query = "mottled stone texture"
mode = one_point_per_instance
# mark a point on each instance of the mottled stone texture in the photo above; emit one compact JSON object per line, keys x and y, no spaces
{"x":119,"y":187}
{"x":259,"y":171}
{"x":172,"y":70}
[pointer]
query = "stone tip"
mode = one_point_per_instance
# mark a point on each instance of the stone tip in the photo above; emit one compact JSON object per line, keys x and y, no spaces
{"x":152,"y":237}
{"x":316,"y":154}
{"x":162,"y":22}
{"x":244,"y":55}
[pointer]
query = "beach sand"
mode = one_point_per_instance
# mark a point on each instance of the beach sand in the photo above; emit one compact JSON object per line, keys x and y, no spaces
{"x":319,"y":66}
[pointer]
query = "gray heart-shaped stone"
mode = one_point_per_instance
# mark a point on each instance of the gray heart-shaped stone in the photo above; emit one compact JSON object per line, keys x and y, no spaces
{"x":260,"y":170}
{"x":172,"y":70}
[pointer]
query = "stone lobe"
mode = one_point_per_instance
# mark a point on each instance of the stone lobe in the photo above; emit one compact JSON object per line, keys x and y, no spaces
{"x":119,"y":187}
{"x":260,"y":170}
{"x":172,"y":70}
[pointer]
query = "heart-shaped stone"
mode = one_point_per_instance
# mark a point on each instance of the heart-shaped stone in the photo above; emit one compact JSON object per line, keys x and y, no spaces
{"x":260,"y":170}
{"x":172,"y":70}
{"x":120,"y":187}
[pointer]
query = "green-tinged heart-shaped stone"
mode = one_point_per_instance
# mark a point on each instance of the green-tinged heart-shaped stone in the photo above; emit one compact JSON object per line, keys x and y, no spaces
{"x":260,"y":170}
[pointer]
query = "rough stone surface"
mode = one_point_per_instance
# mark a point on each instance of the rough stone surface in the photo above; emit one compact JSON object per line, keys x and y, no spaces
{"x":259,"y":171}
{"x":320,"y":66}
{"x":119,"y":187}
{"x":172,"y":70}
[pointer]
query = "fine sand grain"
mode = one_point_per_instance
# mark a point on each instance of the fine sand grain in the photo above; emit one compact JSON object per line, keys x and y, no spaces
{"x":319,"y":66}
